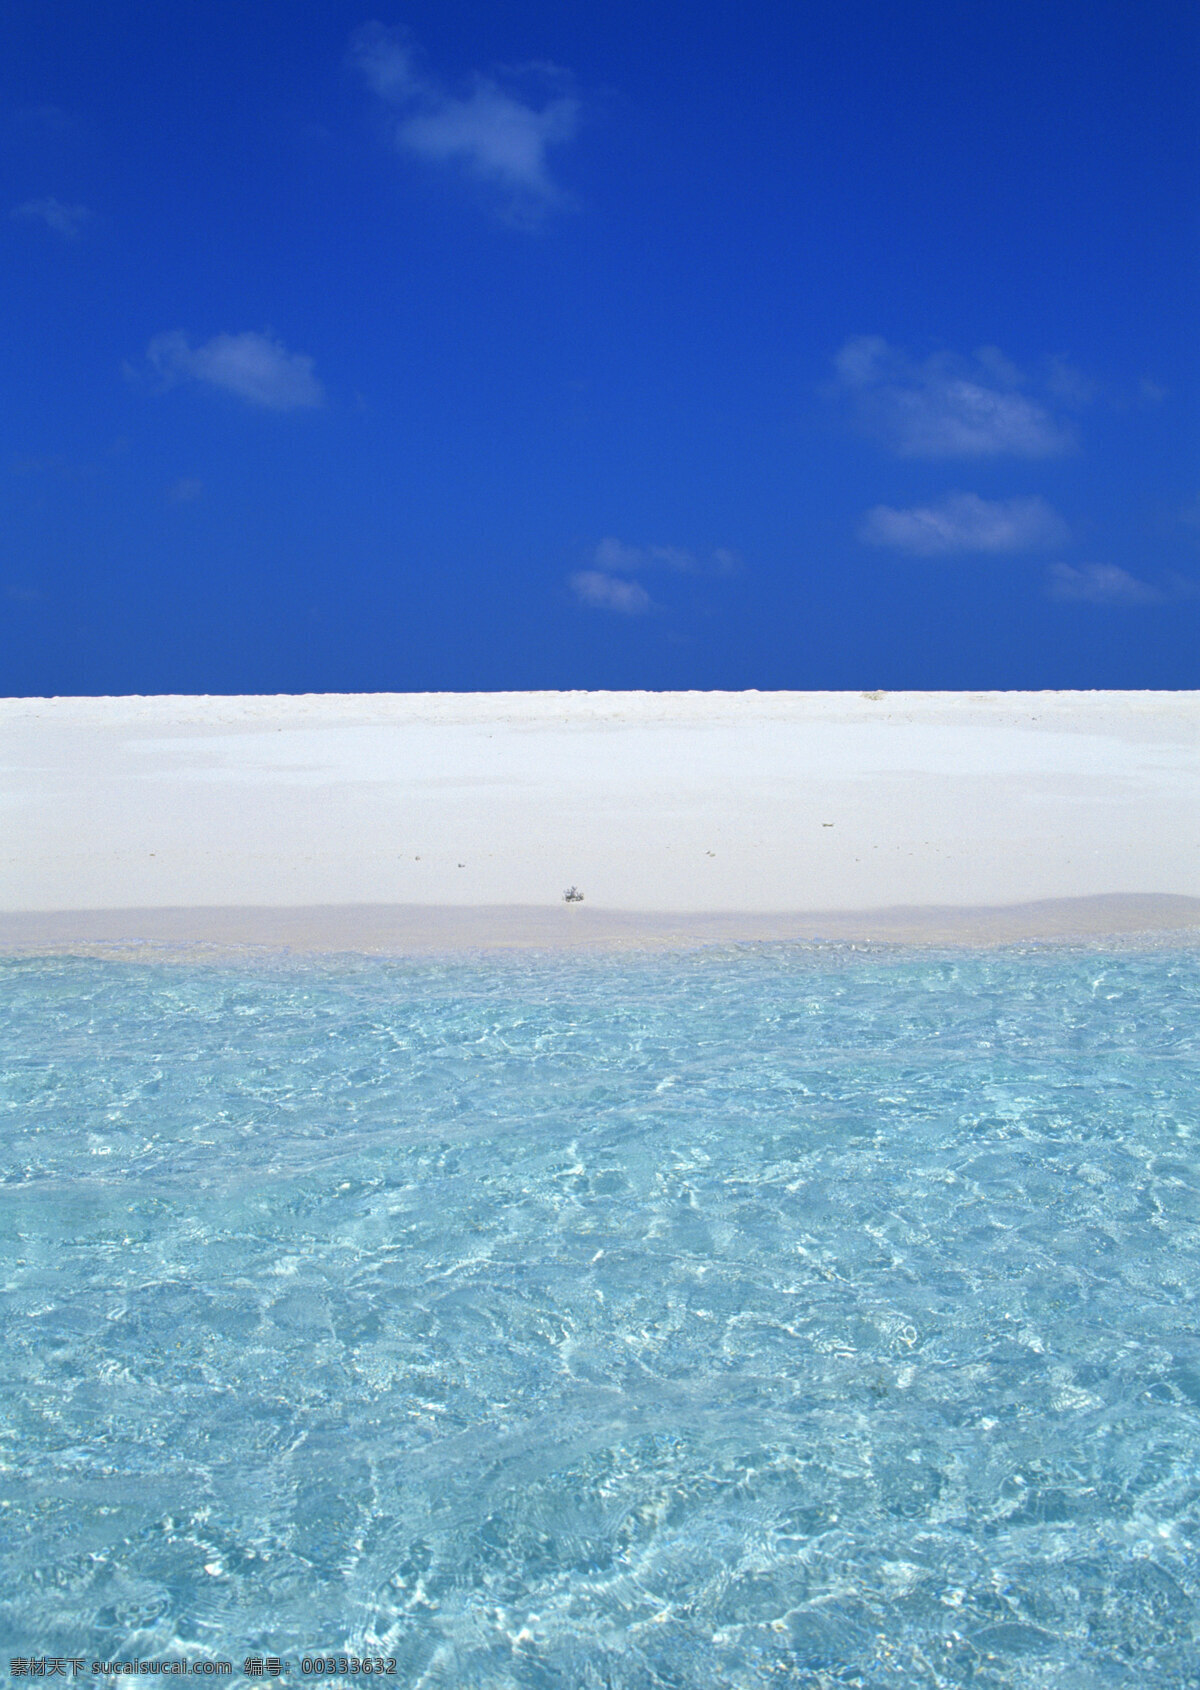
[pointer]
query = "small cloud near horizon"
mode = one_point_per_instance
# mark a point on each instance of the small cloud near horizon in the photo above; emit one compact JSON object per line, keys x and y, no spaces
{"x":253,"y":367}
{"x":1101,"y":583}
{"x":600,"y":591}
{"x":607,"y":586}
{"x":963,"y":522}
{"x":69,"y":221}
{"x":614,"y":555}
{"x":499,"y":137}
{"x":945,"y":406}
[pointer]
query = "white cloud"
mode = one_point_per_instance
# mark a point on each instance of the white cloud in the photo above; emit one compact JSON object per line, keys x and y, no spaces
{"x":496,"y":135}
{"x":253,"y":366}
{"x":615,"y":555}
{"x":945,"y":407}
{"x":608,"y":592}
{"x":963,"y":522}
{"x":1101,"y":583}
{"x":386,"y":61}
{"x":67,"y":220}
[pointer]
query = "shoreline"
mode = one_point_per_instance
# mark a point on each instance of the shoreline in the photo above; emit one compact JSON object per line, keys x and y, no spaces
{"x":217,"y":933}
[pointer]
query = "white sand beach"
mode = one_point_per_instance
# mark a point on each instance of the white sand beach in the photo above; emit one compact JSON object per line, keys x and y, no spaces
{"x":395,"y":821}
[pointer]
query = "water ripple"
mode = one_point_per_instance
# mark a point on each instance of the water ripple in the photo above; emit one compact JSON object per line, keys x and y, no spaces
{"x":779,"y":1315}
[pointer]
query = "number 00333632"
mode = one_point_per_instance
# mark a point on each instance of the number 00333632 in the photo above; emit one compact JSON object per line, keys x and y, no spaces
{"x":346,"y":1666}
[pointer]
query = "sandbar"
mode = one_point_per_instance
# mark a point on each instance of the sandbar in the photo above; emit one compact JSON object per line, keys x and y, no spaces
{"x":418,"y":822}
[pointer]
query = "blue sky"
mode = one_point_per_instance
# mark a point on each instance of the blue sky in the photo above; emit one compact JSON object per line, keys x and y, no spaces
{"x":466,"y":346}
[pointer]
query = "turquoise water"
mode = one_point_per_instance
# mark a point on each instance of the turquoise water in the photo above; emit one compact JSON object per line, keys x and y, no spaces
{"x":776,"y":1316}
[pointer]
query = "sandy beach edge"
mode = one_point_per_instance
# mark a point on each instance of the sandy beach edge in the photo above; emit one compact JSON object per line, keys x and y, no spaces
{"x":399,"y":930}
{"x":418,"y":824}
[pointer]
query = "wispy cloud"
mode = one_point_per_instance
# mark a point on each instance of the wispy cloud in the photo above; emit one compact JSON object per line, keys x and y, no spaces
{"x":184,"y":491}
{"x":607,"y":586}
{"x":498,"y":135}
{"x":615,"y":555}
{"x":945,"y":406}
{"x":252,"y":366}
{"x":67,"y":220}
{"x":1068,"y":385}
{"x":963,"y":522}
{"x":601,"y":591}
{"x":1104,"y":583}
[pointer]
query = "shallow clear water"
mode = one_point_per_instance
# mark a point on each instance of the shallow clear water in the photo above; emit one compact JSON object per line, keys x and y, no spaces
{"x":776,"y":1316}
